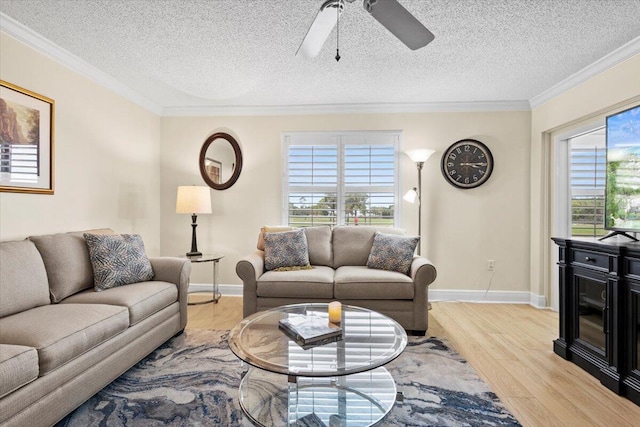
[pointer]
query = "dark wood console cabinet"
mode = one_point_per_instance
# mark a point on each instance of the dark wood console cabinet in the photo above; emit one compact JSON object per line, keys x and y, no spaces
{"x":600,"y":311}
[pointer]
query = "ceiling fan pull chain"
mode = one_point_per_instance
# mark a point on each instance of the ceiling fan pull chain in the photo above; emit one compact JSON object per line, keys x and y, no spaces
{"x":338,"y":33}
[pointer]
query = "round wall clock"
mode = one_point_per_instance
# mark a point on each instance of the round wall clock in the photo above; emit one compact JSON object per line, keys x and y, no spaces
{"x":467,"y":164}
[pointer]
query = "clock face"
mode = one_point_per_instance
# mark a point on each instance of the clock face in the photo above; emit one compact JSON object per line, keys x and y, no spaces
{"x":467,"y":163}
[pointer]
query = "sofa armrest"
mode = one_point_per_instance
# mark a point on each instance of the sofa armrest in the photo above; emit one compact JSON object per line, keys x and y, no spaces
{"x":176,"y":271}
{"x":249,"y":269}
{"x":423,"y":273}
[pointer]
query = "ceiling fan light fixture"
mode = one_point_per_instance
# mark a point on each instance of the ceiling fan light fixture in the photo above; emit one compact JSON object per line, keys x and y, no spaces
{"x":320,"y":29}
{"x":402,"y":24}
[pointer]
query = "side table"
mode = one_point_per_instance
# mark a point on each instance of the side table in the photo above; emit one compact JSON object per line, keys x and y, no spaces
{"x":213,"y":259}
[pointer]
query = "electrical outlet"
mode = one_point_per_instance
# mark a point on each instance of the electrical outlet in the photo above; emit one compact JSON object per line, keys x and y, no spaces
{"x":491,"y":265}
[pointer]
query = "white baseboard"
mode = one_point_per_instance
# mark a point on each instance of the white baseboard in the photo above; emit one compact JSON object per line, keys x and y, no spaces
{"x":538,"y":301}
{"x":501,"y":297}
{"x":226,"y":290}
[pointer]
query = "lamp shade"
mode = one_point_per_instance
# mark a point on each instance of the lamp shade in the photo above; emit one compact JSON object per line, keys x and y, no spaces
{"x":193,"y":199}
{"x":420,"y":155}
{"x":411,"y":195}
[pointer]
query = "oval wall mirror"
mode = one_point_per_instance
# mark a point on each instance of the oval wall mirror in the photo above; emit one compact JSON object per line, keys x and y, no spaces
{"x":220,"y":161}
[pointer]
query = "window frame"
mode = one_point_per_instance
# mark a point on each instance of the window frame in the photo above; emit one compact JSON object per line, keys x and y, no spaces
{"x":340,"y":139}
{"x":588,"y":192}
{"x":562,"y":179}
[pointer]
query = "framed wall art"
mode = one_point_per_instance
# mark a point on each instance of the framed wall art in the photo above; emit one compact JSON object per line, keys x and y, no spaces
{"x":26,"y":141}
{"x":214,"y":170}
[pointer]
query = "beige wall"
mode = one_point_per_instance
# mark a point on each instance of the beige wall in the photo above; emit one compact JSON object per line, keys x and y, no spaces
{"x":106,"y":156}
{"x":109,"y":154}
{"x":590,"y":101}
{"x":462,"y":228}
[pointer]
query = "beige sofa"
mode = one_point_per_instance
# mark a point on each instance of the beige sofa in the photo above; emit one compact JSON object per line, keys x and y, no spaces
{"x":339,"y":257}
{"x":61,"y":341}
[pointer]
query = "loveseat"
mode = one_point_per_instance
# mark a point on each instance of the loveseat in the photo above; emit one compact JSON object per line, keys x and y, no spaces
{"x":339,"y":257}
{"x":61,"y":341}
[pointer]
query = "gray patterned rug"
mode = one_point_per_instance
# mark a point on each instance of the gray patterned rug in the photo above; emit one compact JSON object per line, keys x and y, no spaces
{"x":193,"y":379}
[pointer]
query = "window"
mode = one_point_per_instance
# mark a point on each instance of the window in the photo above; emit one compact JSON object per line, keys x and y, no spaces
{"x":19,"y":163}
{"x":587,"y":177}
{"x":341,"y":178}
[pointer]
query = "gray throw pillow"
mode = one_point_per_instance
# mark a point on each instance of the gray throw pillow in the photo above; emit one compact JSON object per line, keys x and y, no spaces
{"x":392,"y":252}
{"x":285,"y":250}
{"x":117,"y":259}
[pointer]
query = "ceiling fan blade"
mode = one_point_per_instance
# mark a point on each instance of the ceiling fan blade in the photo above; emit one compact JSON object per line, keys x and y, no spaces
{"x":320,"y":28}
{"x":402,"y":24}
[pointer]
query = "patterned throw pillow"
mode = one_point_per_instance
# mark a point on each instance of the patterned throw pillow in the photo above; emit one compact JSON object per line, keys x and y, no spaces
{"x":286,"y":249}
{"x":271,"y":229}
{"x":392,"y":252}
{"x":117,"y":259}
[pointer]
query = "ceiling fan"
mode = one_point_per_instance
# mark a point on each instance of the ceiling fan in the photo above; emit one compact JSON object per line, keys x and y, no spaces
{"x":390,"y":13}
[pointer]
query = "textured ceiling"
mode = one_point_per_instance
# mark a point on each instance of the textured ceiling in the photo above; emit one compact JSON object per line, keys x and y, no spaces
{"x":182,"y":53}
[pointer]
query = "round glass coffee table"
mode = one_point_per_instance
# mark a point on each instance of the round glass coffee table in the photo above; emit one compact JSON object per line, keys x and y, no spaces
{"x":342,"y":383}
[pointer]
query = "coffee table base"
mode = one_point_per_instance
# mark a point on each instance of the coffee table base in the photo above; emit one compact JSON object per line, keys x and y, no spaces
{"x":358,"y":400}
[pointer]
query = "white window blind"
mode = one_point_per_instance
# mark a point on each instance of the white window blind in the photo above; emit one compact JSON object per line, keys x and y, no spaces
{"x":19,"y":163}
{"x":587,"y":183}
{"x":341,"y":178}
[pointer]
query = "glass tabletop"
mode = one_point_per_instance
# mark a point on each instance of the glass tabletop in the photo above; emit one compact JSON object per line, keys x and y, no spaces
{"x":358,"y":400}
{"x":204,"y":257}
{"x":369,"y":340}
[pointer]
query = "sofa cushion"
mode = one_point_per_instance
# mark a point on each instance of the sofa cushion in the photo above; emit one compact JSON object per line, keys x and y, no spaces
{"x":117,"y":260}
{"x":66,"y":258}
{"x":352,"y":244}
{"x":391,"y":252}
{"x":61,"y":332}
{"x":319,"y":243}
{"x":23,"y":278}
{"x":285,"y":249}
{"x":360,"y":282}
{"x":18,"y":366}
{"x":314,"y":283}
{"x":141,"y":299}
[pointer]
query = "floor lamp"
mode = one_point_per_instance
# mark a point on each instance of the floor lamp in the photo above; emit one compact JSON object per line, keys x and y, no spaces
{"x":193,"y":200}
{"x":418,"y":157}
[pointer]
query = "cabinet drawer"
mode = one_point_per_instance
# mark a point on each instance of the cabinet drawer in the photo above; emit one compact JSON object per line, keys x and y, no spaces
{"x":590,"y":259}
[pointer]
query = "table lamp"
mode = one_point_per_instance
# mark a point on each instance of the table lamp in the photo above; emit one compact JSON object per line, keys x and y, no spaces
{"x":193,"y":200}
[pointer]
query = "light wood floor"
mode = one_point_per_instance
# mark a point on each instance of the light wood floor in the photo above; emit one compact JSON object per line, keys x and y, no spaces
{"x":511,"y":348}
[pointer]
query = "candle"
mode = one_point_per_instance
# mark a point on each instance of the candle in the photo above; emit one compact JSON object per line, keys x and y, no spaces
{"x":335,"y":312}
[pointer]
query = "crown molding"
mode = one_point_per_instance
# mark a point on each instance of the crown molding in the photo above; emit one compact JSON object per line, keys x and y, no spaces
{"x":608,"y":61}
{"x":277,"y":110}
{"x":36,"y":41}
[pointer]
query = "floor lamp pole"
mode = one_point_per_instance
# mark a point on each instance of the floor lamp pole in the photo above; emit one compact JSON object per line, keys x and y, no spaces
{"x":419,"y":166}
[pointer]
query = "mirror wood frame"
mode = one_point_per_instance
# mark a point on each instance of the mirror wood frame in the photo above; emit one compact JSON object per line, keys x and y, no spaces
{"x":238,"y":156}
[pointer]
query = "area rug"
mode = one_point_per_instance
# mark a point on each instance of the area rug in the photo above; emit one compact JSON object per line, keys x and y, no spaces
{"x":193,"y":379}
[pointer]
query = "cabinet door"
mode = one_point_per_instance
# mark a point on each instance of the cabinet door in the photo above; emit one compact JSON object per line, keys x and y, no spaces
{"x":591,"y":309}
{"x":635,"y":343}
{"x":632,"y":377}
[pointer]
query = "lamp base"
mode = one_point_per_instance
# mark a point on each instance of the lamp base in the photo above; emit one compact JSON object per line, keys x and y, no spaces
{"x":194,"y":243}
